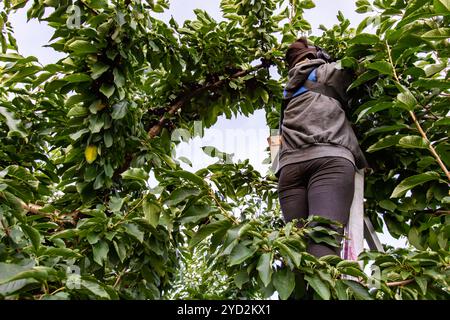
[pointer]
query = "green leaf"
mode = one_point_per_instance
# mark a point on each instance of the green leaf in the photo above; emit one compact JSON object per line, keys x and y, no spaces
{"x":240,"y":278}
{"x":387,"y":204}
{"x":115,"y":203}
{"x":382,"y":67}
{"x":264,"y":268}
{"x":98,"y":4}
{"x":134,"y":231}
{"x":386,"y":142}
{"x":437,"y":34}
{"x":432,"y":83}
{"x":119,"y":110}
{"x":78,"y":112}
{"x":108,"y":139}
{"x":263,"y":94}
{"x":107,"y":90}
{"x":319,"y":286}
{"x":414,"y":238}
{"x":422,"y":283}
{"x":411,"y":182}
{"x":23,"y":175}
{"x":413,"y":142}
{"x":33,"y":234}
{"x":65,"y":234}
{"x":348,"y":263}
{"x":433,"y":69}
{"x":284,"y":283}
{"x":307,"y":4}
{"x":82,"y":47}
{"x":135,"y":174}
{"x":374,"y":108}
{"x":240,"y":253}
{"x":341,"y":291}
{"x":77,"y":135}
{"x":37,"y":273}
{"x":9,"y":271}
{"x":77,"y":77}
{"x":95,"y":288}
{"x":209,"y":229}
{"x":366,"y":76}
{"x":358,"y":290}
{"x":195,"y":213}
{"x":22,"y":74}
{"x":98,"y":69}
{"x":10,"y":57}
{"x":119,"y":79}
{"x":152,"y":212}
{"x":330,"y":259}
{"x":96,"y":124}
{"x":407,"y":100}
{"x":289,"y":252}
{"x":90,"y":173}
{"x":382,"y":129}
{"x":365,"y":38}
{"x":100,"y":251}
{"x":442,"y":6}
{"x":61,"y":252}
{"x":443,"y":150}
{"x":12,"y":123}
{"x":191,"y":177}
{"x":181,"y":194}
{"x":356,"y":272}
{"x":16,"y":205}
{"x":120,"y":250}
{"x":185,"y":160}
{"x":75,"y":99}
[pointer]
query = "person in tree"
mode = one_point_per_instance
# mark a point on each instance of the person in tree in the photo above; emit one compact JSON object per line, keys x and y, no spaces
{"x":319,"y":151}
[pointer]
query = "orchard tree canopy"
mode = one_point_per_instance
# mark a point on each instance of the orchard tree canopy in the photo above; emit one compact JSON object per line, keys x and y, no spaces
{"x":80,"y":138}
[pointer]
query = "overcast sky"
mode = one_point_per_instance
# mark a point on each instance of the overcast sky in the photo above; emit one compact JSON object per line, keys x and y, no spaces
{"x":245,"y":137}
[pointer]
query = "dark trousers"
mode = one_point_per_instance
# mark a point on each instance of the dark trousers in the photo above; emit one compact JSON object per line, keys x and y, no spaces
{"x":322,"y":187}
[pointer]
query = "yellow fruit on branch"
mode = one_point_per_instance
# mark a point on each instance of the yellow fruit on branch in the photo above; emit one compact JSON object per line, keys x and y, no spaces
{"x":90,"y":153}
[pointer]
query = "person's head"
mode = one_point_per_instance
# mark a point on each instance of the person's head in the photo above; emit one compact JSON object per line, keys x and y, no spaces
{"x":298,"y":51}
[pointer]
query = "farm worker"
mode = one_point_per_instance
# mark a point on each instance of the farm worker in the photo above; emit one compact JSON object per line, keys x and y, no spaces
{"x":319,"y":151}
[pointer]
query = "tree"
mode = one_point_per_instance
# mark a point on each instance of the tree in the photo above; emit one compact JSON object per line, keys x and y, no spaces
{"x":79,"y":219}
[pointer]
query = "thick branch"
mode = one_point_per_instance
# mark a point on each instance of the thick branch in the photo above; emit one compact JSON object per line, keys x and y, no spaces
{"x":55,"y":216}
{"x":399,"y":283}
{"x":34,"y":209}
{"x":156,"y":129}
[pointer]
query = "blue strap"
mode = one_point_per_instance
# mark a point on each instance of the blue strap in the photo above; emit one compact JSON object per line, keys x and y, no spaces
{"x":311,"y":77}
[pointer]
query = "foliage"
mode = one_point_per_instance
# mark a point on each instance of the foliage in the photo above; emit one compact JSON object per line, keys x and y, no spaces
{"x":79,"y":218}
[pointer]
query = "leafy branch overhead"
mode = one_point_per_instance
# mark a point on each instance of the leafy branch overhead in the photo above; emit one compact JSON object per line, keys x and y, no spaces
{"x":94,"y":203}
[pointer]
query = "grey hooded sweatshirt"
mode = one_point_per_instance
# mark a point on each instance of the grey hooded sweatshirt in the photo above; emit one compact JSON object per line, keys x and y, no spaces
{"x":315,"y":125}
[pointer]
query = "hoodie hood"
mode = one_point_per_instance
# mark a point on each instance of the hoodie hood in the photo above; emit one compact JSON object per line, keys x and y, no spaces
{"x":298,"y":75}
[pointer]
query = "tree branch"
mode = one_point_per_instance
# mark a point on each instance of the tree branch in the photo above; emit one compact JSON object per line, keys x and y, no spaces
{"x":156,"y":129}
{"x":416,"y":122}
{"x":7,"y":232}
{"x":55,"y":216}
{"x":430,"y":147}
{"x":399,"y":283}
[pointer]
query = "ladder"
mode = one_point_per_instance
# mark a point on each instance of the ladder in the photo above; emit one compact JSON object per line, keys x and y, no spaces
{"x":359,"y":227}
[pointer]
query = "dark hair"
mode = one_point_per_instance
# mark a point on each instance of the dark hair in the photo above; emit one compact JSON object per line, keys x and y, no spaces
{"x":298,"y":51}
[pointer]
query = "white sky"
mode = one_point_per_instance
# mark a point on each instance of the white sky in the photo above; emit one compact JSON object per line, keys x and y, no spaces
{"x":243,"y":136}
